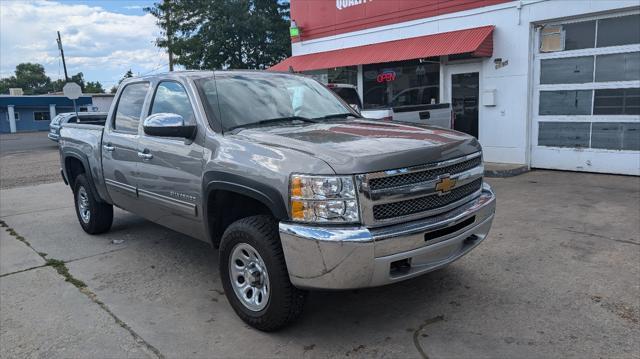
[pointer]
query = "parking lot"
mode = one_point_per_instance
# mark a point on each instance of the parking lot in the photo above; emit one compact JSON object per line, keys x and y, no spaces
{"x":559,"y":276}
{"x":28,"y":158}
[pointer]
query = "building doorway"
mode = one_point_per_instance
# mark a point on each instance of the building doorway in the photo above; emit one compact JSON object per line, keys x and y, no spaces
{"x":465,"y":95}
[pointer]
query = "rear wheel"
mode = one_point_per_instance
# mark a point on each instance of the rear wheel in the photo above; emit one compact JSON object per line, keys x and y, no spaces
{"x":94,"y":216}
{"x":255,"y":277}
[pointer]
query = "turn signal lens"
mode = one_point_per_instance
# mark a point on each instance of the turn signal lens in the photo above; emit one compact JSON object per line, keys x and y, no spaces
{"x":297,"y":210}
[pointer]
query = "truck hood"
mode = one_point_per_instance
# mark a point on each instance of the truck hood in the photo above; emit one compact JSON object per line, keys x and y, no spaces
{"x":361,"y":146}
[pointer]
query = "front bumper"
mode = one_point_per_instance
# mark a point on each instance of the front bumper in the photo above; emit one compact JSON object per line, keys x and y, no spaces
{"x":357,"y":257}
{"x":54,"y":136}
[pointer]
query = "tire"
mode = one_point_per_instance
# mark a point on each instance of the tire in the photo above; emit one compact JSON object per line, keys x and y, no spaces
{"x":94,"y":216}
{"x":284,"y":302}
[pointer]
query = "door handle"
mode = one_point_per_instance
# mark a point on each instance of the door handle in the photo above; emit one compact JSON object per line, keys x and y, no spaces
{"x":108,"y":148}
{"x":145,"y":156}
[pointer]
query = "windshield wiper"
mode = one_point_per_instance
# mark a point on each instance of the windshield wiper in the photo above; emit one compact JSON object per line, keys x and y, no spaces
{"x":337,"y":115}
{"x":274,"y":120}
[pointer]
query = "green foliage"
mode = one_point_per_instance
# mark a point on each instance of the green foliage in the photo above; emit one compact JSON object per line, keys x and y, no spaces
{"x":237,"y":34}
{"x":33,"y":80}
{"x":127,"y":75}
{"x":57,"y":85}
{"x":28,"y":76}
{"x":93,"y":87}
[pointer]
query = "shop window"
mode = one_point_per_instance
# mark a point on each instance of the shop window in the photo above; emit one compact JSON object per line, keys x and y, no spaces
{"x":574,"y":36}
{"x":566,"y":102}
{"x":42,"y":116}
{"x":551,"y":38}
{"x":579,"y":35}
{"x":406,"y":97}
{"x":401,"y":83}
{"x":616,"y":31}
{"x":338,"y":75}
{"x":618,"y":67}
{"x":617,"y":102}
{"x":616,"y":136}
{"x":16,"y":115}
{"x":630,"y":136}
{"x":567,"y":70}
{"x":564,"y":134}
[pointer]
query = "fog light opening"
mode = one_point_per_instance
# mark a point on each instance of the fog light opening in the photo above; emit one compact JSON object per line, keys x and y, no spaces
{"x":399,"y":268}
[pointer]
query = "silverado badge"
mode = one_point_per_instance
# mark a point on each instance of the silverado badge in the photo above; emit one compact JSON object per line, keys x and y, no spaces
{"x":445,"y":185}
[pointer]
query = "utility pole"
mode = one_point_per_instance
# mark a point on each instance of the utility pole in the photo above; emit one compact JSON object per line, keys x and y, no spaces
{"x":64,"y":64}
{"x":167,"y":13}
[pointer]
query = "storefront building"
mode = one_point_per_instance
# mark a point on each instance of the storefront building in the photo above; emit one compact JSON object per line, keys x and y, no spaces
{"x":543,"y":83}
{"x":34,"y":113}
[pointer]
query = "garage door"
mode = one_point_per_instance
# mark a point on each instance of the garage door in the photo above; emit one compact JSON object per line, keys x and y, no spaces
{"x":586,"y":106}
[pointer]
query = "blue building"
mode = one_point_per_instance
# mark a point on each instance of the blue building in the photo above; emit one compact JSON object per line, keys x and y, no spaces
{"x":33,"y":113}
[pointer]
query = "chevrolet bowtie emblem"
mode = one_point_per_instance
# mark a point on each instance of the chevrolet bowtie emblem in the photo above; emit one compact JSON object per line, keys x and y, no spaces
{"x":445,"y":185}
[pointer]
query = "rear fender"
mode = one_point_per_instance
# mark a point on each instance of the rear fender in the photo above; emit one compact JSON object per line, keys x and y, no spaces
{"x":100,"y":191}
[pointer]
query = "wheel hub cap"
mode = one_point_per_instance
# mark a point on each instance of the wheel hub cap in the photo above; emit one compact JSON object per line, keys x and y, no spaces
{"x":249,"y":277}
{"x":83,"y":205}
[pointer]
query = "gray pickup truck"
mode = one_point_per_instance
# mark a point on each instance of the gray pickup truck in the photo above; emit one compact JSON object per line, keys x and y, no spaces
{"x":295,"y":188}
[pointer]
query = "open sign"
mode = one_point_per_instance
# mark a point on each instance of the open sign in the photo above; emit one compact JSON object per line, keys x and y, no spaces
{"x":386,"y":76}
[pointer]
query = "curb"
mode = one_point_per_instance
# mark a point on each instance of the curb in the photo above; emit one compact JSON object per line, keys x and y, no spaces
{"x":504,"y":173}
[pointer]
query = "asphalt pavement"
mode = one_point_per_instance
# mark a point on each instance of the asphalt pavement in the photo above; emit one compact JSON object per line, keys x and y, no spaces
{"x":28,"y":158}
{"x":559,"y":276}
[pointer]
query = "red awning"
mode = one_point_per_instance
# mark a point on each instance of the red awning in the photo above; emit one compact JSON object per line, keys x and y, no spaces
{"x":477,"y":41}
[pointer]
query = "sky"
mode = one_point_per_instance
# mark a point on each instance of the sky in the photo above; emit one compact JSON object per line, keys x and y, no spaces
{"x":101,"y":38}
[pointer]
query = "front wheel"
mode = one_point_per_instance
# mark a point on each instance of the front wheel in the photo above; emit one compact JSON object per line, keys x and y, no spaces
{"x":94,"y":216}
{"x":254,"y":274}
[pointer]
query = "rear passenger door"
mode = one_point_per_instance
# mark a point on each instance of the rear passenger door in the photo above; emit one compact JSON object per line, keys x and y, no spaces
{"x":170,"y":173}
{"x":120,"y":146}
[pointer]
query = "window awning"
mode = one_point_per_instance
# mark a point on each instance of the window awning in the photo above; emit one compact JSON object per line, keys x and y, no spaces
{"x":477,"y":42}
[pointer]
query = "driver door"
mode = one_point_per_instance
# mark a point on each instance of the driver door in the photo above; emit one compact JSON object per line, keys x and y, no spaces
{"x":170,"y":170}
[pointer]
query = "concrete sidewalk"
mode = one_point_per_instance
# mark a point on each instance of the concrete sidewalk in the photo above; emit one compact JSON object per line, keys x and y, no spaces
{"x":558,"y":277}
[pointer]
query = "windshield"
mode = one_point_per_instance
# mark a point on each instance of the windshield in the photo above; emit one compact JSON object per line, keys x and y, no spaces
{"x":251,"y":99}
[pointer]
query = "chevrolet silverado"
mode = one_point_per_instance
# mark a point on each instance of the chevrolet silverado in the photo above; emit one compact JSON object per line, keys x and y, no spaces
{"x":294,"y":187}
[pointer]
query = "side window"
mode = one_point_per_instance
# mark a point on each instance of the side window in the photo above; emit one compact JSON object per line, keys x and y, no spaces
{"x":130,"y":108}
{"x":171,"y":97}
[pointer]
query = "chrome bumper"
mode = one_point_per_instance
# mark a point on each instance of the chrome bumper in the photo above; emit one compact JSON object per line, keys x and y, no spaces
{"x":356,"y":257}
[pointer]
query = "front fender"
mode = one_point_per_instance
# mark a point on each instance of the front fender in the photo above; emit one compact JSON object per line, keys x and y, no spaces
{"x":265,"y":194}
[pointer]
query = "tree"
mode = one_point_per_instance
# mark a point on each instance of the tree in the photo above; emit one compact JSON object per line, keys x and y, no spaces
{"x":208,"y":34}
{"x":30,"y":77}
{"x":57,"y":85}
{"x":127,"y":75}
{"x":93,"y":87}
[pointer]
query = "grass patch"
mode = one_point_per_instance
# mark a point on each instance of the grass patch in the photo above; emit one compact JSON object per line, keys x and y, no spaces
{"x":62,"y":269}
{"x":56,"y":264}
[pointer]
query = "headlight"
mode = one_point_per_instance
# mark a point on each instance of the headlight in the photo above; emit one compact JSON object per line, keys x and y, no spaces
{"x":328,"y":199}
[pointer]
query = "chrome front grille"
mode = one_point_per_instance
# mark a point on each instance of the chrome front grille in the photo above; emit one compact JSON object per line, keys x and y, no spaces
{"x":426,"y":203}
{"x":405,"y":194}
{"x":422,"y":176}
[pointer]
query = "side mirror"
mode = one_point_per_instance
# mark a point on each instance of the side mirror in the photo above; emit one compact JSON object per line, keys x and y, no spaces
{"x":168,"y":125}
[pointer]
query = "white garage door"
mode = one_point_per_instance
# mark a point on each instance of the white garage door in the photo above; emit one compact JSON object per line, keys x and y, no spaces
{"x":586,"y":108}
